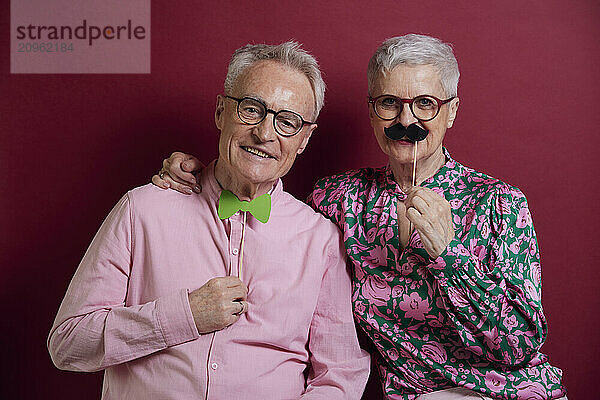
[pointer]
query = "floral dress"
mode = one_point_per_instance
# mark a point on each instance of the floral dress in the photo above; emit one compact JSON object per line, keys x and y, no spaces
{"x":471,"y":317}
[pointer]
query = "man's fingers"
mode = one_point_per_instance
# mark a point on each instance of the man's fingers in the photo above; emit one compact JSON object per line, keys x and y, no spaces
{"x":235,"y":293}
{"x":239,"y":292}
{"x":239,"y":307}
{"x":230,"y":281}
{"x":233,"y":286}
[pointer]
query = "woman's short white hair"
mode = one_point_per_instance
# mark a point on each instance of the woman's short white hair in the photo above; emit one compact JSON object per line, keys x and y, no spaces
{"x":413,"y":49}
{"x":290,"y":54}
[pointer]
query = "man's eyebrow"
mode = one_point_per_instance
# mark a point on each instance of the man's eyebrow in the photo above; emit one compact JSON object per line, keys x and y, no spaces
{"x":255,"y":97}
{"x":259,"y":98}
{"x":270,"y":107}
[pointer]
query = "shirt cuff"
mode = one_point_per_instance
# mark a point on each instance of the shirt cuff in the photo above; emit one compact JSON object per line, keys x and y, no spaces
{"x":175,"y":318}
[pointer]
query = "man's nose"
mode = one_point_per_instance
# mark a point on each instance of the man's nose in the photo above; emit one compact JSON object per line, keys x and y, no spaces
{"x":265,"y":131}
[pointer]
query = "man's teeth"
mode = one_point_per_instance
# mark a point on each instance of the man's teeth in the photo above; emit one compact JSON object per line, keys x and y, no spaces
{"x":256,"y":152}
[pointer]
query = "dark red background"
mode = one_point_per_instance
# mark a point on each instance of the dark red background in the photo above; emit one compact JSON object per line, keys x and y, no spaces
{"x":73,"y":144}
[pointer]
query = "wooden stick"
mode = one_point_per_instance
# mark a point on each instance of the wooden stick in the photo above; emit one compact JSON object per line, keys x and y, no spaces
{"x":414,"y":171}
{"x":242,"y":248}
{"x":414,"y":181}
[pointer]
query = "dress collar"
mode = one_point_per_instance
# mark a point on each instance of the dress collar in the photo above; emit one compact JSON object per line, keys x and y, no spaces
{"x":448,"y":169}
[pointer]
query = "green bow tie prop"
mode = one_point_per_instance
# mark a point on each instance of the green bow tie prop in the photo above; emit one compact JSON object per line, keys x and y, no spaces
{"x":260,"y":207}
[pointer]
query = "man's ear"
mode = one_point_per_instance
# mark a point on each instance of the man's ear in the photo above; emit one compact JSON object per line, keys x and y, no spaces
{"x":306,"y":139}
{"x":453,"y":109}
{"x":219,"y":110}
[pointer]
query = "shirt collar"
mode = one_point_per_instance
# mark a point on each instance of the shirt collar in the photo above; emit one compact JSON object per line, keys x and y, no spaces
{"x":213,"y":190}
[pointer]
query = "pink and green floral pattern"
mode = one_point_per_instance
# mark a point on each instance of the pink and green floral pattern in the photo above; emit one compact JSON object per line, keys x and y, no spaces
{"x":471,"y":317}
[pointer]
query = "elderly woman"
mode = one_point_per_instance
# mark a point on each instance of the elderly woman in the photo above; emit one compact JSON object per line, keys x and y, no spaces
{"x":452,"y":306}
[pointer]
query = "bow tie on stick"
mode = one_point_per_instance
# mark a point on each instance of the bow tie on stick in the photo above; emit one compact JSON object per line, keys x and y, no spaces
{"x":260,"y":208}
{"x":229,"y":204}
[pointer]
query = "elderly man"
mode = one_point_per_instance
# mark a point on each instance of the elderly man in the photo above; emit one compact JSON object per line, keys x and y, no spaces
{"x":453,"y":306}
{"x":241,"y":292}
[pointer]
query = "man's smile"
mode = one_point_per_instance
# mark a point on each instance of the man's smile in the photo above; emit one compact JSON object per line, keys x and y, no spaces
{"x":256,"y":152}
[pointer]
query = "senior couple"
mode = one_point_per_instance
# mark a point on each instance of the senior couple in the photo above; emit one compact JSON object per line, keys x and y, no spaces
{"x":240,"y":291}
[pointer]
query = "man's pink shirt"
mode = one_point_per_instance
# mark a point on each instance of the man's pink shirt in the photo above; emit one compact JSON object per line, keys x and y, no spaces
{"x":126,"y":310}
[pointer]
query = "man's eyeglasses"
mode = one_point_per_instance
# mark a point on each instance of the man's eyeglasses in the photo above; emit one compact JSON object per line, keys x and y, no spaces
{"x":424,"y":108}
{"x":253,"y":112}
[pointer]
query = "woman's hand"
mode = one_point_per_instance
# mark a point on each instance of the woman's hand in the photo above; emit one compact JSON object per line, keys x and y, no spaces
{"x":431,"y":216}
{"x":180,"y":172}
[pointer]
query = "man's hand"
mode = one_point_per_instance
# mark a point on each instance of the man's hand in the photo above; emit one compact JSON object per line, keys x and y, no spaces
{"x":178,"y":173}
{"x":218,"y":304}
{"x":431,"y":215}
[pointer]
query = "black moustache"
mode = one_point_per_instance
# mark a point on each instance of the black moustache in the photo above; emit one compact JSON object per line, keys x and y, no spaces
{"x":413,"y":132}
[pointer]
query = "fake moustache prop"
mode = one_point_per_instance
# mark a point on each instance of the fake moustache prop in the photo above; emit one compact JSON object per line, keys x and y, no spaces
{"x":414,"y":132}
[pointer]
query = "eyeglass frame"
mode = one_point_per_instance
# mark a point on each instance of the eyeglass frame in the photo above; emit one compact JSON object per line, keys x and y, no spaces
{"x":268,"y":110}
{"x":440,"y":103}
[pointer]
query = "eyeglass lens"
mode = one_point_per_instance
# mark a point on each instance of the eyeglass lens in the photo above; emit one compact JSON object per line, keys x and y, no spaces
{"x":253,"y":112}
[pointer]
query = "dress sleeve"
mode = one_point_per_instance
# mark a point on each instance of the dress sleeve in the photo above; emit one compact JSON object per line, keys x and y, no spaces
{"x":490,"y":281}
{"x":326,"y":198}
{"x":339,"y":367}
{"x":94,"y":329}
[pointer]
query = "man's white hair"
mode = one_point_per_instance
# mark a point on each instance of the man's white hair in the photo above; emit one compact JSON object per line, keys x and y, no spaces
{"x":290,"y":54}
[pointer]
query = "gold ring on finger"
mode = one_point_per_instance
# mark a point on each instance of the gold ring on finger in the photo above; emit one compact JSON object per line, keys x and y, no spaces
{"x":241,"y":310}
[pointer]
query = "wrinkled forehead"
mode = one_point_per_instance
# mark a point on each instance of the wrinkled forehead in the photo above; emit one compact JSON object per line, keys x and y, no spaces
{"x":409,"y":81}
{"x":278,"y":85}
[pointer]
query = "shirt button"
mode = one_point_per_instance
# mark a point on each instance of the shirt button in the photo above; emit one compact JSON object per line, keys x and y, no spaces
{"x":214,"y":365}
{"x":235,"y":251}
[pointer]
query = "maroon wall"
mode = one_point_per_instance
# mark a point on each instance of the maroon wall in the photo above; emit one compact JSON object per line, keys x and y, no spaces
{"x":73,"y":144}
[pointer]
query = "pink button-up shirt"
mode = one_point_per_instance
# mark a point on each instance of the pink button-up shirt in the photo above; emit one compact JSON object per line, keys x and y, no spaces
{"x":126,"y":310}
